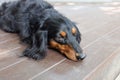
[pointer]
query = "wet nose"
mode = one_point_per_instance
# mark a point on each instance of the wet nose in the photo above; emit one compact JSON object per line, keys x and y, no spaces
{"x":80,"y":56}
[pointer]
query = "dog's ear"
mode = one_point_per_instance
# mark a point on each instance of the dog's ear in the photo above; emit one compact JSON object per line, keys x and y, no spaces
{"x":43,"y":18}
{"x":39,"y":46}
{"x":45,"y":15}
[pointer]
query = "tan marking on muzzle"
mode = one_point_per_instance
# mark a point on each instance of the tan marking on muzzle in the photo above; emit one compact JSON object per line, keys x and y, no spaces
{"x":73,"y":30}
{"x":67,"y":50}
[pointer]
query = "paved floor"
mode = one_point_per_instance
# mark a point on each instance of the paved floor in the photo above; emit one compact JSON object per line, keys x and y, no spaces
{"x":100,"y":28}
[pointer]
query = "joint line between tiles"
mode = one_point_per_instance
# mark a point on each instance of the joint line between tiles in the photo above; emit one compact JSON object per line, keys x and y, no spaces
{"x":109,"y":57}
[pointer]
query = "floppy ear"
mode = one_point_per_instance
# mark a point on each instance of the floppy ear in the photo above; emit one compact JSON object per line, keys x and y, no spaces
{"x":46,"y":14}
{"x":39,"y":46}
{"x":42,"y":19}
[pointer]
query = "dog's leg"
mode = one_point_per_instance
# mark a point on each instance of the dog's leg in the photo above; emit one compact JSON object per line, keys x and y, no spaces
{"x":39,"y":45}
{"x":24,"y":31}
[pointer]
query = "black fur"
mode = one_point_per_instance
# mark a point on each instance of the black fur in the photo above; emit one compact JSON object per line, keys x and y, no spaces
{"x":37,"y":22}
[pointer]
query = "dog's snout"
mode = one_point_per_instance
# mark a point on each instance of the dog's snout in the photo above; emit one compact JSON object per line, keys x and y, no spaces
{"x":80,"y":56}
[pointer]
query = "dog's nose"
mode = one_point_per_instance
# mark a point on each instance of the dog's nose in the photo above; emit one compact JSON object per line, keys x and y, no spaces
{"x":80,"y":56}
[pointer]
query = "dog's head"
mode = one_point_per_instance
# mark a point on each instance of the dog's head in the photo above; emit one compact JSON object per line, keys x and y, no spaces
{"x":64,"y":36}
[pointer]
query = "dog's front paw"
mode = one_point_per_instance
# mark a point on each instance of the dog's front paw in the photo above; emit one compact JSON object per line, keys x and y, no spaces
{"x":32,"y":54}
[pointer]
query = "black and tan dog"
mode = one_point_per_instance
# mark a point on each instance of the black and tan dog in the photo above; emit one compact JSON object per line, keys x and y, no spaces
{"x":40,"y":26}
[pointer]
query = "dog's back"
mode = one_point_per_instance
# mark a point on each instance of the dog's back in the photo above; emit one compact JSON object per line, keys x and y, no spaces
{"x":12,"y":14}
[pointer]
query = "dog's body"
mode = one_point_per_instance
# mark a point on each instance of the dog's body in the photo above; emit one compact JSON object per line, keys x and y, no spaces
{"x":39,"y":25}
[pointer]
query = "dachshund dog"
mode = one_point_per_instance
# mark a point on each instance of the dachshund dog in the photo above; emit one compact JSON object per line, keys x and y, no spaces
{"x":40,"y":26}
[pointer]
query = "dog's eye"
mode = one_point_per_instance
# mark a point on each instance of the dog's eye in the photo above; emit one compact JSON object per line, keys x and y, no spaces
{"x":60,"y":40}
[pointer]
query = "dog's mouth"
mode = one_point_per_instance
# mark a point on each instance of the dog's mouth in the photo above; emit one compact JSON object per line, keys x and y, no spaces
{"x":67,"y":50}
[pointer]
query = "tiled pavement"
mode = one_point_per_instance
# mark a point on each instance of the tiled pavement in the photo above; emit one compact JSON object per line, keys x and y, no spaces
{"x":100,"y":28}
